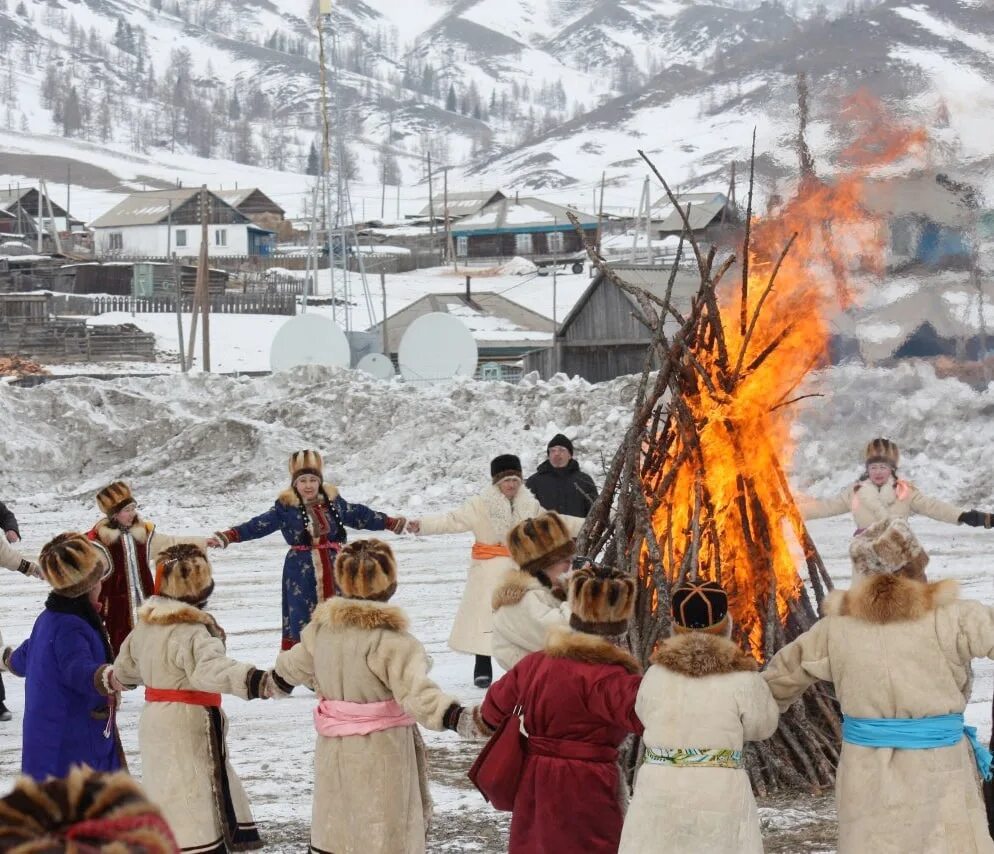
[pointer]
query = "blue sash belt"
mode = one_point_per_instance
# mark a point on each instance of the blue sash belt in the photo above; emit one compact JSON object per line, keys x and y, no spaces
{"x":917,"y":734}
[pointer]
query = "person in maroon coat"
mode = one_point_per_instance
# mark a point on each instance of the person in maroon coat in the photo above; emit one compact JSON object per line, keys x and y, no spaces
{"x":578,"y":698}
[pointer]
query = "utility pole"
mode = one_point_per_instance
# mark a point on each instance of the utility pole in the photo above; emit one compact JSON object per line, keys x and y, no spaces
{"x":555,"y":324}
{"x":431,"y":202}
{"x":448,"y":232}
{"x":383,"y":290}
{"x":203,"y":274}
{"x":40,"y":219}
{"x":68,"y":191}
{"x":178,"y":279}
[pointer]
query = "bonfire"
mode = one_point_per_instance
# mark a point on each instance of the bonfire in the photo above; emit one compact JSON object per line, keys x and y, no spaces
{"x":698,"y":488}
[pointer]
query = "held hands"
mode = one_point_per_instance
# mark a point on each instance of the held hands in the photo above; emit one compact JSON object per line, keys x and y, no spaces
{"x":270,"y":689}
{"x":413,"y":526}
{"x":12,"y":537}
{"x":976,"y":519}
{"x":214,"y":543}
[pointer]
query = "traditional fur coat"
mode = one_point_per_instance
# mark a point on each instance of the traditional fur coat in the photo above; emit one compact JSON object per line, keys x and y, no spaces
{"x":524,"y":611}
{"x":896,"y":499}
{"x":894,"y":647}
{"x":701,"y":692}
{"x":490,"y":517}
{"x":370,"y":791}
{"x":185,"y":769}
{"x":133,"y":552}
{"x":578,"y":695}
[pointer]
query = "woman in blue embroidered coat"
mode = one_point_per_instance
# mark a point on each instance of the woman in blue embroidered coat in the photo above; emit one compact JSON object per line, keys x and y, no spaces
{"x":312,"y":517}
{"x":70,"y":691}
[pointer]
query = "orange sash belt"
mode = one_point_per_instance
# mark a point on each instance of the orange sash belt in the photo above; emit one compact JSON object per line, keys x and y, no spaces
{"x":485,"y":551}
{"x":191,"y":698}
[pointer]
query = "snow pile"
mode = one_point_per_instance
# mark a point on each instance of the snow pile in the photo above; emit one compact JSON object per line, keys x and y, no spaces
{"x":518,"y":266}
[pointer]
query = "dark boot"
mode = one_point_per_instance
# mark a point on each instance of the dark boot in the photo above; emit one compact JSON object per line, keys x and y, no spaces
{"x":483,"y":672}
{"x":4,"y":711}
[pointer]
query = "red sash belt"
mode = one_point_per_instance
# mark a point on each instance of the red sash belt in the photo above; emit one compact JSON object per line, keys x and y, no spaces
{"x":335,"y":547}
{"x":191,"y":698}
{"x":486,"y":551}
{"x":567,"y":748}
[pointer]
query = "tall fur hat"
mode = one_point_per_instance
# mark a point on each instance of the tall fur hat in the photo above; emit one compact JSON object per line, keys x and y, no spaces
{"x":888,"y":547}
{"x":700,"y":606}
{"x":366,"y":569}
{"x":183,"y":572}
{"x":883,"y":451}
{"x":306,"y":462}
{"x":73,"y":565}
{"x":538,"y":543}
{"x":601,"y":600}
{"x":505,"y":465}
{"x":85,"y":811}
{"x":114,"y":497}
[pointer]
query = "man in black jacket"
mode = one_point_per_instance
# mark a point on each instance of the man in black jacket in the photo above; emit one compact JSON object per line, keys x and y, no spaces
{"x":559,"y":484}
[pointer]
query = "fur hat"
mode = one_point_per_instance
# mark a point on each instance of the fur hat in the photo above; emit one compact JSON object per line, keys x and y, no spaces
{"x":560,"y":441}
{"x":601,"y":600}
{"x":114,"y":497}
{"x":883,"y":451}
{"x":506,"y":465}
{"x":85,"y":811}
{"x":536,"y":544}
{"x":700,"y":606}
{"x":888,"y":547}
{"x":366,"y":569}
{"x":183,"y":572}
{"x":306,"y":462}
{"x":73,"y":564}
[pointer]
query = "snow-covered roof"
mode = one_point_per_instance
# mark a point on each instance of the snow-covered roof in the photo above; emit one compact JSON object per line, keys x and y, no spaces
{"x":521,"y":215}
{"x":464,"y":203}
{"x":152,"y":207}
{"x":702,"y":209}
{"x":236,"y":197}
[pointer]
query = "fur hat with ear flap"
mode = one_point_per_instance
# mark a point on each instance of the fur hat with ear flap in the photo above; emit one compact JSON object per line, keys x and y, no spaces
{"x":701,"y":606}
{"x":86,"y":811}
{"x":888,"y":548}
{"x":183,"y":572}
{"x":73,"y":565}
{"x":883,"y":451}
{"x":306,"y":462}
{"x":602,"y":600}
{"x":114,"y":497}
{"x":536,"y":544}
{"x":366,"y":569}
{"x":506,"y":465}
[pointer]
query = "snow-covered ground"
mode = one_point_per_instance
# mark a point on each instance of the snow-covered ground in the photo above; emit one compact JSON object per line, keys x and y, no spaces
{"x":204,"y":452}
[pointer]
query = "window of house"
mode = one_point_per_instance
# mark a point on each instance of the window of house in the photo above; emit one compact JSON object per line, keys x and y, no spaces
{"x":115,"y":241}
{"x":462,"y":246}
{"x":220,"y":237}
{"x":181,"y":237}
{"x":523,"y":244}
{"x":556,"y":241}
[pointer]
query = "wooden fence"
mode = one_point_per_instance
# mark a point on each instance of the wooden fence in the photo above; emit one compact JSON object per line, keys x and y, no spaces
{"x":72,"y":340}
{"x":245,"y":303}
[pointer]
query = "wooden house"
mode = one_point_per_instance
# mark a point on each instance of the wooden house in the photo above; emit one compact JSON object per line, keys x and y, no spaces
{"x":259,"y":208}
{"x":709,"y":214}
{"x":20,"y":214}
{"x":459,"y":204}
{"x":601,"y":339}
{"x":159,"y":223}
{"x":523,"y":226}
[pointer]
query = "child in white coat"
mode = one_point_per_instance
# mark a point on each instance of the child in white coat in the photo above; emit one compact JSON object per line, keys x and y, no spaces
{"x":701,"y":700}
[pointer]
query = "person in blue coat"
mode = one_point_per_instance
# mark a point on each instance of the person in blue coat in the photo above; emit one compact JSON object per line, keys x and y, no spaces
{"x":70,"y":691}
{"x":312,"y":517}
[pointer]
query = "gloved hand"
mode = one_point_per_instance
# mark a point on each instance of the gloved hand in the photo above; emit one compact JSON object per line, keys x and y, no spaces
{"x":275,"y":688}
{"x":466,"y":722}
{"x":396,"y":524}
{"x":975,"y":518}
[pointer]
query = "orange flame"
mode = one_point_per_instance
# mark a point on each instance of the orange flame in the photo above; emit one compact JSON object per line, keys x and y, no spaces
{"x":745,"y":425}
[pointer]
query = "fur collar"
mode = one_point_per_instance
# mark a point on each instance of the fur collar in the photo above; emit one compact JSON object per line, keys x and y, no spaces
{"x":288,"y":498}
{"x":512,"y":588}
{"x":504,"y":514}
{"x":590,"y":649}
{"x":163,"y":611}
{"x":697,"y":654}
{"x":340,"y":613}
{"x":109,"y":534}
{"x":890,"y":599}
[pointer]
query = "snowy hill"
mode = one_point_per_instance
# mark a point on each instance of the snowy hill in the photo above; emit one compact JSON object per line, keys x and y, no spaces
{"x":541,"y":96}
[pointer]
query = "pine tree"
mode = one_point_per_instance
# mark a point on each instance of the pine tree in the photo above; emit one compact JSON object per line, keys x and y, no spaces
{"x":450,"y":99}
{"x":72,"y":118}
{"x":234,"y":108}
{"x":313,"y":164}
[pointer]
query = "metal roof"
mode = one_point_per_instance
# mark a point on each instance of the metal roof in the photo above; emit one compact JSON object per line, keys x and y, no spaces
{"x":149,"y":208}
{"x":524,"y":214}
{"x":463,"y":203}
{"x":703,"y":208}
{"x":235,"y":198}
{"x":496,"y":322}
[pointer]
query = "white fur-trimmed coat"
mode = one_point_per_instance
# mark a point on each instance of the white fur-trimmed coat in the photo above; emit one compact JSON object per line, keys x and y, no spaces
{"x":490,"y":517}
{"x":702,"y":691}
{"x":895,"y":499}
{"x":894,"y":647}
{"x":524,"y":611}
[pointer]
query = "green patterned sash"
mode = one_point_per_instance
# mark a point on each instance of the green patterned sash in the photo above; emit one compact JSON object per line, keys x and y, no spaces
{"x":693,"y":757}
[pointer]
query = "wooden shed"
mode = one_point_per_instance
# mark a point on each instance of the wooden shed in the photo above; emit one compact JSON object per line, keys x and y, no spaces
{"x":601,"y":339}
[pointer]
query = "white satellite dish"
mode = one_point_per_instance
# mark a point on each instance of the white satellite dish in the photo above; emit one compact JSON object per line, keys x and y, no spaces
{"x":435,"y":348}
{"x":309,"y":339}
{"x":377,"y":365}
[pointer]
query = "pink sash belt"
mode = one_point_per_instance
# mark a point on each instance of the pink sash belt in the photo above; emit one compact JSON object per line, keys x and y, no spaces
{"x":337,"y":718}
